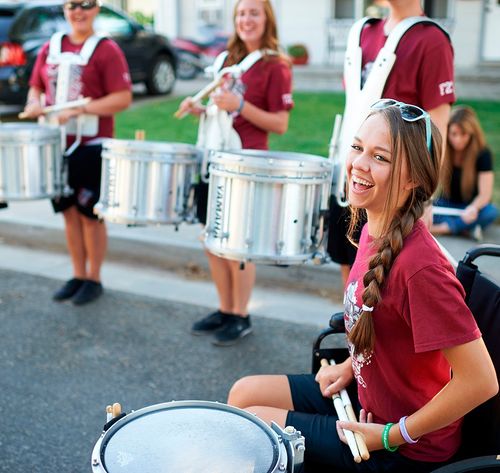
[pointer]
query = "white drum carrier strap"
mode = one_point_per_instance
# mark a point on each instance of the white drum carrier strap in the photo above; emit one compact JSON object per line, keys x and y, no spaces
{"x":86,"y":125}
{"x":359,"y":99}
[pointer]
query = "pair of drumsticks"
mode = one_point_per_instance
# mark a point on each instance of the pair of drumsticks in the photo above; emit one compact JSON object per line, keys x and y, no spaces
{"x":345,"y":412}
{"x":113,"y":411}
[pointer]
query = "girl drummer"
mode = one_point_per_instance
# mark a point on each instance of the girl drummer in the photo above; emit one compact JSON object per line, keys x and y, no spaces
{"x":105,"y":79}
{"x":407,"y":324}
{"x":260,"y":104}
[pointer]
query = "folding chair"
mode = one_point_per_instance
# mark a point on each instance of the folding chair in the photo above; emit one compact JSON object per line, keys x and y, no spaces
{"x":480,"y":450}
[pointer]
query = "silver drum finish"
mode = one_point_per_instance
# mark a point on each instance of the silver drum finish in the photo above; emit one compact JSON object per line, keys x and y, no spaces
{"x":148,"y":182}
{"x":266,"y":206}
{"x":189,"y":436}
{"x":30,"y":161}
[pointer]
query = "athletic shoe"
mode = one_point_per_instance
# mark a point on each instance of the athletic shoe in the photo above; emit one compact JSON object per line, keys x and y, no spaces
{"x":210,"y":323}
{"x":477,"y":233}
{"x":89,"y":292}
{"x":69,"y":289}
{"x":236,"y":327}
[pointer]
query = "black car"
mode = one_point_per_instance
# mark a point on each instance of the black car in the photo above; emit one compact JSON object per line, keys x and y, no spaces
{"x":26,"y":25}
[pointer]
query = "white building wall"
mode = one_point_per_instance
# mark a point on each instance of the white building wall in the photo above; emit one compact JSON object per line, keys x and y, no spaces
{"x":466,"y":35}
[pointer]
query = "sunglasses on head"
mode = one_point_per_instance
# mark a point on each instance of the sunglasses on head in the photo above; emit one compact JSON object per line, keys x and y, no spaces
{"x":85,"y":5}
{"x":409,"y":113}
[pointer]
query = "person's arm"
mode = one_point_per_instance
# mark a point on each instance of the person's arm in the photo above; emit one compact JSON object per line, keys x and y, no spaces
{"x":485,"y":182}
{"x":274,"y":122}
{"x":33,"y":107}
{"x":440,"y":116}
{"x":469,"y":362}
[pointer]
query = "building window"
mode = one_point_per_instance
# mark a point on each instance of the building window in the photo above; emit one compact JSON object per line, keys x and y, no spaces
{"x":210,"y":13}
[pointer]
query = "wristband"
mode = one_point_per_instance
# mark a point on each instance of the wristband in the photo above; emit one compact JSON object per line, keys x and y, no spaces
{"x":385,"y":438}
{"x":404,"y":432}
{"x":240,"y":108}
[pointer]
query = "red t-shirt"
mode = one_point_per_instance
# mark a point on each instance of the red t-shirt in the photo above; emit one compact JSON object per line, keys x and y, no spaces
{"x":422,"y":311}
{"x":267,"y":85}
{"x":106,"y":72}
{"x":423,"y":72}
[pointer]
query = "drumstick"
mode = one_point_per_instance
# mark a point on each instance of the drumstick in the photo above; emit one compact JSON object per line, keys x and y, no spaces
{"x":109,"y":413}
{"x":140,"y":135}
{"x":116,"y":409}
{"x":360,"y":441}
{"x":447,"y":211}
{"x":59,"y":107}
{"x":203,"y":93}
{"x":342,"y":415}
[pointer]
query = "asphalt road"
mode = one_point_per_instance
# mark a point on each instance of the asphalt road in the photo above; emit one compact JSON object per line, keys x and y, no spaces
{"x":61,"y":365}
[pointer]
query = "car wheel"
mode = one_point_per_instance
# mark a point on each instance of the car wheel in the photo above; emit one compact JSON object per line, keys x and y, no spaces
{"x":186,"y":66}
{"x":161,"y":77}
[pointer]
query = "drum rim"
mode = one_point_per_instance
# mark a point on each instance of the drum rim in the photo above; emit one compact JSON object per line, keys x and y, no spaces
{"x":22,"y":130}
{"x":116,"y":143}
{"x":100,"y":446}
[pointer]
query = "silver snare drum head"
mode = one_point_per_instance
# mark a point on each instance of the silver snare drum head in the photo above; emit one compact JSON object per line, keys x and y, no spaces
{"x":189,"y":436}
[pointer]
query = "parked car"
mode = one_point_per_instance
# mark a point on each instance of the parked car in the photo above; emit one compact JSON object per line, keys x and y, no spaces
{"x":26,"y":25}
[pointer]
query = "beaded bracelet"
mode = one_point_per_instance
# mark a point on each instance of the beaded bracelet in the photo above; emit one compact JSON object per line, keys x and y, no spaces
{"x":404,"y":432}
{"x":385,"y":438}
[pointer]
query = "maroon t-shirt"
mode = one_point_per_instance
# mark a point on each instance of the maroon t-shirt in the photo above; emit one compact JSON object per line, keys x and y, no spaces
{"x":106,"y":72}
{"x":422,"y":311}
{"x":267,"y":85}
{"x":423,"y":72}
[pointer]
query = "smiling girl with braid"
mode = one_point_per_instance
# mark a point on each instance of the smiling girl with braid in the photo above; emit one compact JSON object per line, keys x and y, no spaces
{"x":407,"y":323}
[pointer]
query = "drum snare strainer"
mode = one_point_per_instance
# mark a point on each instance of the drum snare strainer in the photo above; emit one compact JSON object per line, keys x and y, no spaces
{"x":196,"y":436}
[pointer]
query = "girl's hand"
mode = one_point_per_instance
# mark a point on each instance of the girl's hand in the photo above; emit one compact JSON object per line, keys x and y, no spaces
{"x":470,"y":214}
{"x":188,"y":106}
{"x":333,"y":378}
{"x":33,"y":109}
{"x":372,"y":433}
{"x":226,"y":100}
{"x":65,"y":115}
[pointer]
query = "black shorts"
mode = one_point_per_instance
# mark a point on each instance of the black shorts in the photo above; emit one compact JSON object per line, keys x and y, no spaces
{"x":340,"y":249}
{"x":84,"y":178}
{"x":201,"y":199}
{"x":315,"y":417}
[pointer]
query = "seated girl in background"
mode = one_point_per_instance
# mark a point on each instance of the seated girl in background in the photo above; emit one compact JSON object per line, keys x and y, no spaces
{"x":467,"y":178}
{"x":407,"y":324}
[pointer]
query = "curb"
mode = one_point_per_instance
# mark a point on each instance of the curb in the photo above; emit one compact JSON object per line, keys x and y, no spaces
{"x":186,"y":259}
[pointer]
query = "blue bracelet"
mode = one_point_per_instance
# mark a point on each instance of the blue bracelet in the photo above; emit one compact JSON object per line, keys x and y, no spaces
{"x":240,"y":108}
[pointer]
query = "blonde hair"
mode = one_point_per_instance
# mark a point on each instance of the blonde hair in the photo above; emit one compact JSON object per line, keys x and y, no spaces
{"x":236,"y":47}
{"x":408,"y":142}
{"x":465,"y":118}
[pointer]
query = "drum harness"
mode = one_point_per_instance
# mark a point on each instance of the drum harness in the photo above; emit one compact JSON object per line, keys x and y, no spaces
{"x":85,"y":124}
{"x":215,"y":131}
{"x":359,"y":98}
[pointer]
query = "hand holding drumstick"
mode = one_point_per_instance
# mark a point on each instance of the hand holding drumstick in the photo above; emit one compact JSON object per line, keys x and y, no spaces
{"x":345,"y":412}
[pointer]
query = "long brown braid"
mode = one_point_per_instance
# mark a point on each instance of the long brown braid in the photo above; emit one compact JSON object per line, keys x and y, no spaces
{"x":409,"y":143}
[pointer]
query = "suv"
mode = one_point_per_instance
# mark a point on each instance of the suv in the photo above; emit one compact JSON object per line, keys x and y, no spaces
{"x":26,"y":25}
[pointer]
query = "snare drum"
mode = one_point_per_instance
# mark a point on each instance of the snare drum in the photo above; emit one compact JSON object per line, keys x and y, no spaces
{"x":148,"y":182}
{"x":30,"y":161}
{"x":266,"y":206}
{"x":196,"y":436}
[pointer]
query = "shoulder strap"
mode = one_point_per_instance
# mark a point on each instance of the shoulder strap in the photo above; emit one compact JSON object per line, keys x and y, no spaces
{"x":55,"y":49}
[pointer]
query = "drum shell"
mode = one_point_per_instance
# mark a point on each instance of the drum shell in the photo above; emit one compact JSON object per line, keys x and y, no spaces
{"x":196,"y":436}
{"x":266,"y":206}
{"x":148,"y":182}
{"x":30,"y":161}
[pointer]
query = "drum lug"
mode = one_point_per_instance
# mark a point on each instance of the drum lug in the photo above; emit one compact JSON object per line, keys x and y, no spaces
{"x":95,"y":462}
{"x":280,"y":244}
{"x":294,"y":444}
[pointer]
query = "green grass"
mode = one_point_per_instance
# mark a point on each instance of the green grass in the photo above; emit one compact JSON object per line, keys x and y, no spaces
{"x":310,"y":127}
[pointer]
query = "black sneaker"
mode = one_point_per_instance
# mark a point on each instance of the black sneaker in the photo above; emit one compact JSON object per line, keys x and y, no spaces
{"x":210,"y":323}
{"x":89,"y":292}
{"x":69,"y":289}
{"x":236,"y":327}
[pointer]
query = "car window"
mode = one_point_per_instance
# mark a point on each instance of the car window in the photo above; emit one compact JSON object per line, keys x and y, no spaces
{"x":6,"y":18}
{"x":111,"y":23}
{"x":40,"y":22}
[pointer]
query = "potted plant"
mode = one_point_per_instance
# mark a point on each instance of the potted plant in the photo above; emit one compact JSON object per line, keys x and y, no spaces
{"x":298,"y":53}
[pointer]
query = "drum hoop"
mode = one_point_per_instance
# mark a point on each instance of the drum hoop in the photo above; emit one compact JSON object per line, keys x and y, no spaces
{"x":307,"y":180}
{"x":108,"y":435}
{"x":275,"y":155}
{"x":12,"y":134}
{"x":153,"y":158}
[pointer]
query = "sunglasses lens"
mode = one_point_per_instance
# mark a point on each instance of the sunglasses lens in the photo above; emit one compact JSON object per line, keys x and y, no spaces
{"x":411,"y":113}
{"x":85,"y":5}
